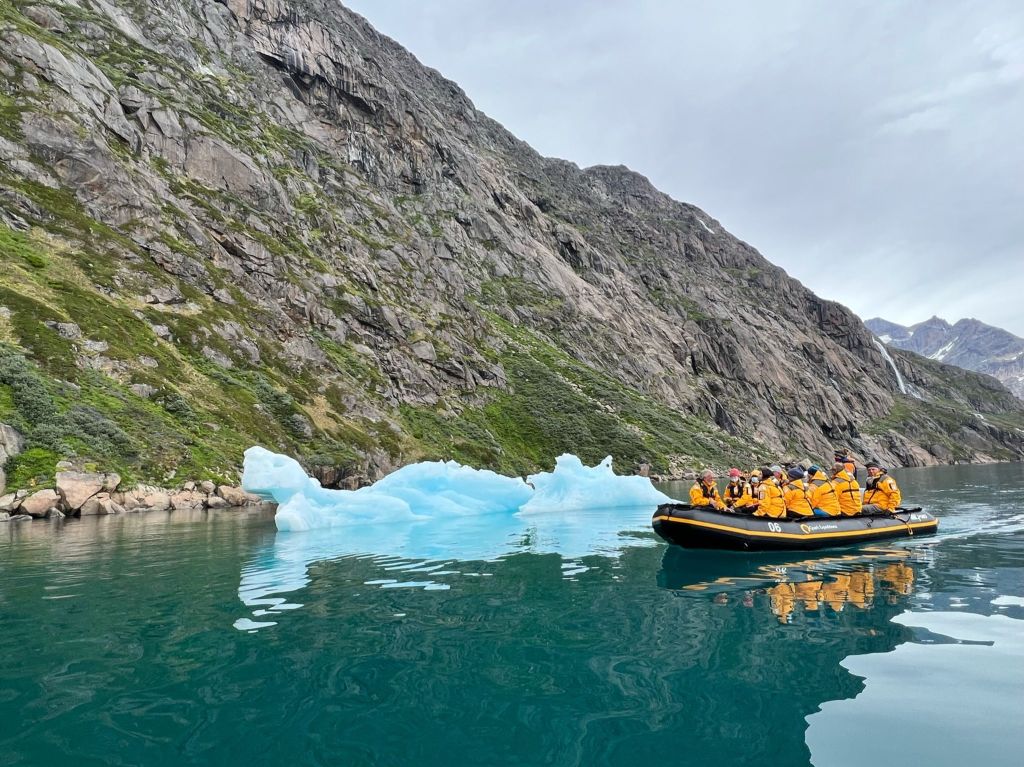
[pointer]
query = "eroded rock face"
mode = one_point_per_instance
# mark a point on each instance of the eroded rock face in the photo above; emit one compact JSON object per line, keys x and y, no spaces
{"x":293,"y":191}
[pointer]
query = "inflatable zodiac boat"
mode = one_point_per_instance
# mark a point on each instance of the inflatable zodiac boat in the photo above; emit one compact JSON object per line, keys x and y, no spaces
{"x":702,"y":528}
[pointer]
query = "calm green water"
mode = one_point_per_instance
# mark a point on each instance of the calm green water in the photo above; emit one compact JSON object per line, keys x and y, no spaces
{"x":172,"y":639}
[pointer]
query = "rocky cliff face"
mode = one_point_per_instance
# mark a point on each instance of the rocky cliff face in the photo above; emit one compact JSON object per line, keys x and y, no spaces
{"x":968,"y":344}
{"x":262,"y":221}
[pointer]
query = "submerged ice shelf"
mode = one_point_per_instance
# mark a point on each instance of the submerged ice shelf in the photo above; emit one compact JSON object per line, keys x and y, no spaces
{"x":438,"y":490}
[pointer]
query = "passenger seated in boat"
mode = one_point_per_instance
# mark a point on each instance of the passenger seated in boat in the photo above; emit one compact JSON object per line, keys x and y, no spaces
{"x":822,"y":494}
{"x":847,"y":489}
{"x":749,"y":505}
{"x":881,"y":495}
{"x":845,"y":457}
{"x":705,"y":492}
{"x":798,"y":504}
{"x":737,"y":493}
{"x":770,"y":501}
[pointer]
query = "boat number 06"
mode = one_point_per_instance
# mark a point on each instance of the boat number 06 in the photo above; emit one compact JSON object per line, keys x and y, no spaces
{"x":775,"y":527}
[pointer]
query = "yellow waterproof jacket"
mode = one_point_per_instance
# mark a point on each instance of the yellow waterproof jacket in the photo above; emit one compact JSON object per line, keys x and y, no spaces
{"x":848,"y":492}
{"x":702,"y":495}
{"x":823,"y":494}
{"x":883,"y":491}
{"x":797,"y":500}
{"x":738,"y":495}
{"x":770,"y":500}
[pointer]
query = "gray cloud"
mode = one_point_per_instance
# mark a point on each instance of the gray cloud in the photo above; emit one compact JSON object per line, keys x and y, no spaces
{"x":871,"y":149}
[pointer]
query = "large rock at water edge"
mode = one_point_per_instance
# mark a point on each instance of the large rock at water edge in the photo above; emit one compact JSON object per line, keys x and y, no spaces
{"x":76,"y":487}
{"x":11,"y":501}
{"x":234,"y":496}
{"x":188,"y":499}
{"x":38,"y":504}
{"x":101,"y":503}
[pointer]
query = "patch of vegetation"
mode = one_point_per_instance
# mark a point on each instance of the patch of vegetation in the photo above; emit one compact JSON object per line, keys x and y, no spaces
{"x":34,"y":468}
{"x":52,"y":423}
{"x":514,"y":291}
{"x":348,"y":361}
{"x":898,"y":416}
{"x":558,"y":405}
{"x":10,"y":118}
{"x":17,"y":245}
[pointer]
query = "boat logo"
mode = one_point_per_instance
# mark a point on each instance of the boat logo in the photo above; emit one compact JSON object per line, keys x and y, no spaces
{"x":808,"y":529}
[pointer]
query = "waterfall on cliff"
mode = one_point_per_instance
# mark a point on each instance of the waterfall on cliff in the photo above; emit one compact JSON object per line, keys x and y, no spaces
{"x":892,"y":364}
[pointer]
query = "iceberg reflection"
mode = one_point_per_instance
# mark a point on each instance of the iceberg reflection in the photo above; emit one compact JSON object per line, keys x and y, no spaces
{"x":428,"y":553}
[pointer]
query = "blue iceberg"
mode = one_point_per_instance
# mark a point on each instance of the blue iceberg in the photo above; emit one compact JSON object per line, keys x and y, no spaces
{"x":419,"y":491}
{"x":424,"y":524}
{"x":438,"y":490}
{"x":573,"y":487}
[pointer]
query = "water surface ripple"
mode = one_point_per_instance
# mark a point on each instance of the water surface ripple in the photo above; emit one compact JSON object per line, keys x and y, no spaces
{"x":187,"y":638}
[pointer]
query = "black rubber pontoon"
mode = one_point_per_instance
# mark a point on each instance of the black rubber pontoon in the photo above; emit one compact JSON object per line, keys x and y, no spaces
{"x":702,"y":528}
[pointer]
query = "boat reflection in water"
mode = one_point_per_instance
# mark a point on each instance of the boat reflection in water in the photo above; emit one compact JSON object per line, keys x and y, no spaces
{"x":789,"y":585}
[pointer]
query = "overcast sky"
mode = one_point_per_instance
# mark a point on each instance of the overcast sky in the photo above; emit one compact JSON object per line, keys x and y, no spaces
{"x":874,"y":150}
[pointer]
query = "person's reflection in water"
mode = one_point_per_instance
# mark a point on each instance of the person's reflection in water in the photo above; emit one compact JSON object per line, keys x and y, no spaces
{"x":856,"y":588}
{"x":836,"y":592}
{"x":782,"y":599}
{"x":899,"y":578}
{"x":791,"y":588}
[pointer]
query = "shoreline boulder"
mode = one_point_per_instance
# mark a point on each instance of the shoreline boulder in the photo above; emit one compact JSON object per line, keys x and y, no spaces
{"x":77,"y":487}
{"x":39,"y":504}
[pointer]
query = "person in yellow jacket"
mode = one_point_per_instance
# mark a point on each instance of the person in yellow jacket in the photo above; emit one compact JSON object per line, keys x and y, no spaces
{"x":749,"y":505}
{"x":795,"y":495}
{"x":737,"y":493}
{"x":705,"y":491}
{"x":770,"y":501}
{"x":823,"y":494}
{"x":847,"y":490}
{"x":881,"y":495}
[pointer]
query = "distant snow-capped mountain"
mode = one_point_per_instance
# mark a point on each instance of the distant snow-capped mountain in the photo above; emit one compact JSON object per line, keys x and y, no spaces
{"x":968,"y":344}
